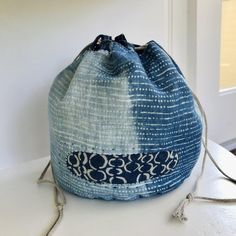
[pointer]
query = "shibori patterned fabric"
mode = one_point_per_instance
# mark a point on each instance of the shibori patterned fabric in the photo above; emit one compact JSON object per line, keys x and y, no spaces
{"x":123,"y":123}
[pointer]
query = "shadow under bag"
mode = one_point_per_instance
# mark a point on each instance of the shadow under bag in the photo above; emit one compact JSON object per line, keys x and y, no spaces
{"x":123,"y":124}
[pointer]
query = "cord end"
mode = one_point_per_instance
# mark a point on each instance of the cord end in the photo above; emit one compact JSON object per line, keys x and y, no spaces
{"x":179,"y":211}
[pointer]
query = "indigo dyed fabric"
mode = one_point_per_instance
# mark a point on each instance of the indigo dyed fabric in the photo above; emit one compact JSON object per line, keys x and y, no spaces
{"x":123,"y":123}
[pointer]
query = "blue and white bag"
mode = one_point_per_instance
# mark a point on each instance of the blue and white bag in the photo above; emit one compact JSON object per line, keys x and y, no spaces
{"x":123,"y":124}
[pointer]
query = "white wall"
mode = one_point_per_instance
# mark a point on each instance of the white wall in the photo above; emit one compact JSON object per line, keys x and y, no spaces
{"x":38,"y":39}
{"x":219,"y":106}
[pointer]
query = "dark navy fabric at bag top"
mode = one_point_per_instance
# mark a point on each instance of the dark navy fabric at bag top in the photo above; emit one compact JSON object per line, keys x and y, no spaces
{"x":123,"y":123}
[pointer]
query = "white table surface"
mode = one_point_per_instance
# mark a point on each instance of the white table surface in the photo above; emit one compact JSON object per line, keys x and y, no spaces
{"x":26,"y":208}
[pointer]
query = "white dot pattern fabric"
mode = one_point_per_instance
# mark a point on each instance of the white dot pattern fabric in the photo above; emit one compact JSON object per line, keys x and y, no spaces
{"x":111,"y":111}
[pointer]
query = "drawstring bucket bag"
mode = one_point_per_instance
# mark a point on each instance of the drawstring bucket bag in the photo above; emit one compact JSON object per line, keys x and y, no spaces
{"x":123,"y":125}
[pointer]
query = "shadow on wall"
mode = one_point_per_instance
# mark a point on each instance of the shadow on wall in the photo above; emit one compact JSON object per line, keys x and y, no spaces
{"x":31,"y":137}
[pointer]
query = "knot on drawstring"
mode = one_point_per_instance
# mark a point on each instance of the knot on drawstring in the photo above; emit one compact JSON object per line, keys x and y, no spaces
{"x":59,"y":207}
{"x":179,"y":211}
{"x":190,"y":197}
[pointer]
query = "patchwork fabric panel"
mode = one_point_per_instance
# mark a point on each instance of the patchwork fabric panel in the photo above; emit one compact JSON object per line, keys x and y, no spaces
{"x":121,"y":169}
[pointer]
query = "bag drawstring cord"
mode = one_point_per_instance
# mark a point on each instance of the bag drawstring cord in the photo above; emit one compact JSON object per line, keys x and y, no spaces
{"x":179,"y":211}
{"x":59,"y":199}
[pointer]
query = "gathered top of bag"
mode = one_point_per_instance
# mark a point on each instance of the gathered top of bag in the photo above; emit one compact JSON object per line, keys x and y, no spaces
{"x":123,"y":122}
